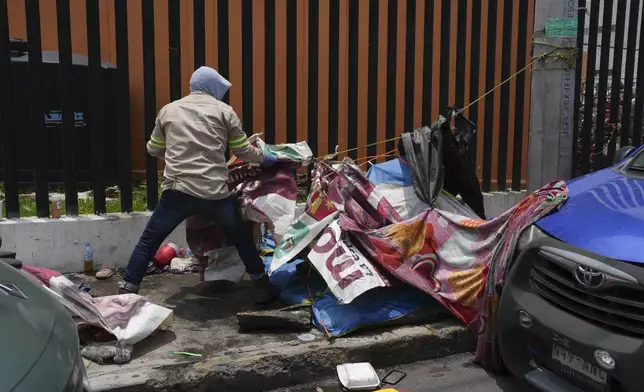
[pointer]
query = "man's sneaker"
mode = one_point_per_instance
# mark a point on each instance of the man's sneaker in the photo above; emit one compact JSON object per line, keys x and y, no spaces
{"x":266,"y":292}
{"x":128,"y":288}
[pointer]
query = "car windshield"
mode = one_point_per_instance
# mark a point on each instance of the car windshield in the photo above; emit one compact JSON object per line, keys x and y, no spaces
{"x":638,"y":161}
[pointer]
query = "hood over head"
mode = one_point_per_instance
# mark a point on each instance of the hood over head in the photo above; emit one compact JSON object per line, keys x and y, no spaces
{"x":208,"y":80}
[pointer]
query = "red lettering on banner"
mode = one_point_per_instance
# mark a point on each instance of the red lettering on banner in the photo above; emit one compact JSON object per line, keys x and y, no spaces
{"x":337,"y":262}
{"x":327,"y":246}
{"x":338,"y":268}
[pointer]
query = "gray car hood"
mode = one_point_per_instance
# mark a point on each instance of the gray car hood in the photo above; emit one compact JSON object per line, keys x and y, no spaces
{"x":26,"y":326}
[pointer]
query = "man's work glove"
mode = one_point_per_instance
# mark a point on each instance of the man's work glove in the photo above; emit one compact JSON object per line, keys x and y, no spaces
{"x":269,"y":160}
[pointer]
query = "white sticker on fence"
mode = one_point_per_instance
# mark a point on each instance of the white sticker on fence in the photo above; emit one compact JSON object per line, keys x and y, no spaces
{"x":346,"y":271}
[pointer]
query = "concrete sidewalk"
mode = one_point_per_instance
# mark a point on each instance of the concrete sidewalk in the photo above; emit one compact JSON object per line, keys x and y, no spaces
{"x":205,"y":323}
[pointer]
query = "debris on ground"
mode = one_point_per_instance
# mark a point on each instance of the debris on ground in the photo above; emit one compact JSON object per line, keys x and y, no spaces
{"x":224,"y":264}
{"x":184,"y":265}
{"x":166,"y":253}
{"x":358,"y":376}
{"x":296,"y":317}
{"x":86,"y":288}
{"x":104,"y":273}
{"x":128,"y":318}
{"x":184,"y":353}
{"x":108,"y":352}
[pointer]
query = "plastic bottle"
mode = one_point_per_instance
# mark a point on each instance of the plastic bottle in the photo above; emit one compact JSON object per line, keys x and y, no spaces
{"x":56,"y":211}
{"x":88,"y":260}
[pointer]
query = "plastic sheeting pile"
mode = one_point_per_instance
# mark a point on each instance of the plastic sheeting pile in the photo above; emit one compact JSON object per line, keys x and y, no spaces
{"x":360,"y":243}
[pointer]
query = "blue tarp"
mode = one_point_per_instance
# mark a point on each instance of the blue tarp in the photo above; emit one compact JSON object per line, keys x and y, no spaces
{"x":377,"y":306}
{"x":391,"y":172}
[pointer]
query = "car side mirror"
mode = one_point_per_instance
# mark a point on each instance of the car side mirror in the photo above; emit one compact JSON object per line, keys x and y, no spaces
{"x":622,"y":153}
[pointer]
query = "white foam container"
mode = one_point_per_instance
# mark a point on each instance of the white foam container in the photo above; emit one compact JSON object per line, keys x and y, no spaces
{"x":358,"y":376}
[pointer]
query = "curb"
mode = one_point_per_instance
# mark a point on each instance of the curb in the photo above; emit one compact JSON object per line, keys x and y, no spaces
{"x":273,"y":366}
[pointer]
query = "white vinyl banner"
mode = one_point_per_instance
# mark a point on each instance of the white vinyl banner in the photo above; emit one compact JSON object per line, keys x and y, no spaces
{"x":346,"y":271}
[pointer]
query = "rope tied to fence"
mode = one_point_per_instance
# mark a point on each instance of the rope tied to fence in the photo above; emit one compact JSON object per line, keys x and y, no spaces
{"x":606,"y":142}
{"x":559,"y":52}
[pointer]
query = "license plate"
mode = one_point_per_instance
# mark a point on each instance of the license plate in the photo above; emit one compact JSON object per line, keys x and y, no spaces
{"x":579,"y":368}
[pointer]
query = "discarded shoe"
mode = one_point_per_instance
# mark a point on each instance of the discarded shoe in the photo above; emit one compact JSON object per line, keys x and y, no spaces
{"x":103,"y":353}
{"x":105,"y":273}
{"x":266,"y":292}
{"x":128,"y":288}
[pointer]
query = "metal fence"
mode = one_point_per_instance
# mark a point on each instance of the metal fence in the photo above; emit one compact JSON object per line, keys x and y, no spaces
{"x":333,"y":72}
{"x":612,"y":95}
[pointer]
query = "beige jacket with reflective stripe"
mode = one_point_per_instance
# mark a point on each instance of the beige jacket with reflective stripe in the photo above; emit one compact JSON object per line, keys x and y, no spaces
{"x":191,"y":134}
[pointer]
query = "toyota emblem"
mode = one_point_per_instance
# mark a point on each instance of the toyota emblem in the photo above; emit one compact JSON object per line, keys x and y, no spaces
{"x":589,"y":277}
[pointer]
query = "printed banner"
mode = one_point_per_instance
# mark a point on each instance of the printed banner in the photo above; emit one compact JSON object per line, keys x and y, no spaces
{"x":320,"y":211}
{"x":456,"y":259}
{"x":270,"y":197}
{"x":341,"y":188}
{"x":346,"y":271}
{"x":266,"y":195}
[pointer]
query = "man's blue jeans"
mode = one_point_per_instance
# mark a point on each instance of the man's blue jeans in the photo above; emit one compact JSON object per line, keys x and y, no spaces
{"x":175,"y":207}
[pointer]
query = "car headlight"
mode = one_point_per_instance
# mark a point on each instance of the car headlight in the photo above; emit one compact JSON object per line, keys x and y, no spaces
{"x":530,"y":234}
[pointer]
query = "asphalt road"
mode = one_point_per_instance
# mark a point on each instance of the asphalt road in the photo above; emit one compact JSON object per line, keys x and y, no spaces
{"x":451,"y":374}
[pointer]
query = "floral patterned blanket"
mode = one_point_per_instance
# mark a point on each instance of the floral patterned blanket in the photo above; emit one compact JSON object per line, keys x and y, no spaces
{"x":456,"y":259}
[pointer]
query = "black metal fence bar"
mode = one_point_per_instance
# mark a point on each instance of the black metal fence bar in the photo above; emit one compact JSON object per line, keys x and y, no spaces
{"x":199,"y":20}
{"x":616,"y":76}
{"x":602,"y":86}
{"x":291,"y":70}
{"x":519,"y":114}
{"x":392,"y":47}
{"x":461,"y":46}
{"x":7,"y":129}
{"x":428,"y":55}
{"x":352,"y":115}
{"x":445,"y":53}
{"x":589,"y":97}
{"x":66,"y":104}
{"x":149,"y":97}
{"x":505,"y":94}
{"x":410,"y":60}
{"x":489,"y":101}
{"x":581,"y":23}
{"x":334,"y":71}
{"x":123,"y":101}
{"x":631,"y":48}
{"x":372,"y":92}
{"x":96,"y":128}
{"x":314,"y":36}
{"x":247,"y":65}
{"x":223,"y":47}
{"x":639,"y":95}
{"x":36,"y":112}
{"x":174,"y":31}
{"x":475,"y":58}
{"x":269,"y":69}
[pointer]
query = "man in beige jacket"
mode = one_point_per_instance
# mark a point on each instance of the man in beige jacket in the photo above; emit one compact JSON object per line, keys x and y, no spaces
{"x":191,"y":134}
